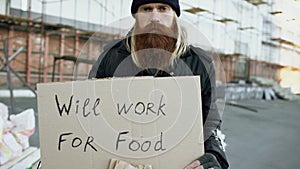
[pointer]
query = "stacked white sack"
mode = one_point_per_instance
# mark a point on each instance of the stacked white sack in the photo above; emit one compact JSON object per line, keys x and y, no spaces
{"x":14,"y":133}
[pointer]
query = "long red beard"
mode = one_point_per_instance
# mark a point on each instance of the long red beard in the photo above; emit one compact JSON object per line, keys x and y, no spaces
{"x":154,"y":45}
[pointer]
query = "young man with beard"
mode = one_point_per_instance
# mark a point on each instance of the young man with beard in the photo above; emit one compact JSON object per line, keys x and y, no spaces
{"x":157,"y":46}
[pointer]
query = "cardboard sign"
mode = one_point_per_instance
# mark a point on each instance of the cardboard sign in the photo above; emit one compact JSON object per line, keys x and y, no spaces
{"x":145,"y":120}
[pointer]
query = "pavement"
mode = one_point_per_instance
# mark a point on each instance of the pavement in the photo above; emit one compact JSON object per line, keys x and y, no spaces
{"x":266,"y":139}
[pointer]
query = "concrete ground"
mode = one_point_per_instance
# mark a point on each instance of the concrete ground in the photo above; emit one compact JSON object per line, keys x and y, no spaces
{"x":267,"y":139}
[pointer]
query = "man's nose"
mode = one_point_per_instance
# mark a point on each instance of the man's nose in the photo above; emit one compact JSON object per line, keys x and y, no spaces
{"x":155,"y":16}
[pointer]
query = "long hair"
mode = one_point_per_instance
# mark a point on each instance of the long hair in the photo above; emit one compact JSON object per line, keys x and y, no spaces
{"x":180,"y":46}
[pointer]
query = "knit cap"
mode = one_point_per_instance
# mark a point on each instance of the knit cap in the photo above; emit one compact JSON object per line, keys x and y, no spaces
{"x":173,"y":3}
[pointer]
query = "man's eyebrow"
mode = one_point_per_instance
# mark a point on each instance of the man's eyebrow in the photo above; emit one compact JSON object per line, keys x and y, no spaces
{"x":147,"y":6}
{"x":163,"y":5}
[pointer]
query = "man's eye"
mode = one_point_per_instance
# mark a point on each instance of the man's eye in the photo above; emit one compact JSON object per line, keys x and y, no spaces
{"x":147,"y":9}
{"x":162,"y":9}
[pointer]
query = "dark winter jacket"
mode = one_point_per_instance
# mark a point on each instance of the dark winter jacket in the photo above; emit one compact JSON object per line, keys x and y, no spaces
{"x":116,"y":61}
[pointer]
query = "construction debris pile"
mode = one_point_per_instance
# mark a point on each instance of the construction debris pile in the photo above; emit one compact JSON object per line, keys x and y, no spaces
{"x":243,"y":91}
{"x":15,"y":131}
{"x":283,"y":93}
{"x":259,"y":88}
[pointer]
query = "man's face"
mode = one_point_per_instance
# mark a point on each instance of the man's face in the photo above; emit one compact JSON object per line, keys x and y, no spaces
{"x":155,"y":35}
{"x":155,"y":13}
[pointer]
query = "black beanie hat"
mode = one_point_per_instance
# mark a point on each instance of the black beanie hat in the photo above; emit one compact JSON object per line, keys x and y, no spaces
{"x":173,"y":3}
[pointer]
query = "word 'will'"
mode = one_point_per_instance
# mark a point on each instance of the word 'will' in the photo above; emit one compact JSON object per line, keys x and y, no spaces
{"x":83,"y":107}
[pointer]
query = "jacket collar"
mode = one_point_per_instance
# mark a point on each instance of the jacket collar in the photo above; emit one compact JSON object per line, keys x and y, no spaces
{"x":123,"y":49}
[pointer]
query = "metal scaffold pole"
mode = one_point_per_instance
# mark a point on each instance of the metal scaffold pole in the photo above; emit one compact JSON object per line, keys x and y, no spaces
{"x":10,"y":70}
{"x":9,"y":82}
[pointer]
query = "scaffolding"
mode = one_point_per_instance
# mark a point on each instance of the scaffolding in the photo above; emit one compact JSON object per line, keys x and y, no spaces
{"x":51,"y":52}
{"x":46,"y":46}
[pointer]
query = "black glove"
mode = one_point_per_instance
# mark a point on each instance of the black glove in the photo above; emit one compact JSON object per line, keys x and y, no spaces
{"x":209,"y":160}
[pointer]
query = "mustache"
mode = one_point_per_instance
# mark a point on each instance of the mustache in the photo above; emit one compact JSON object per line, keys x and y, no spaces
{"x":154,"y":40}
{"x":157,"y":28}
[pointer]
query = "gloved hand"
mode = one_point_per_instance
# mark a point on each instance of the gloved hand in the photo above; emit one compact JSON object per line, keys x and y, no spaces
{"x":207,"y":161}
